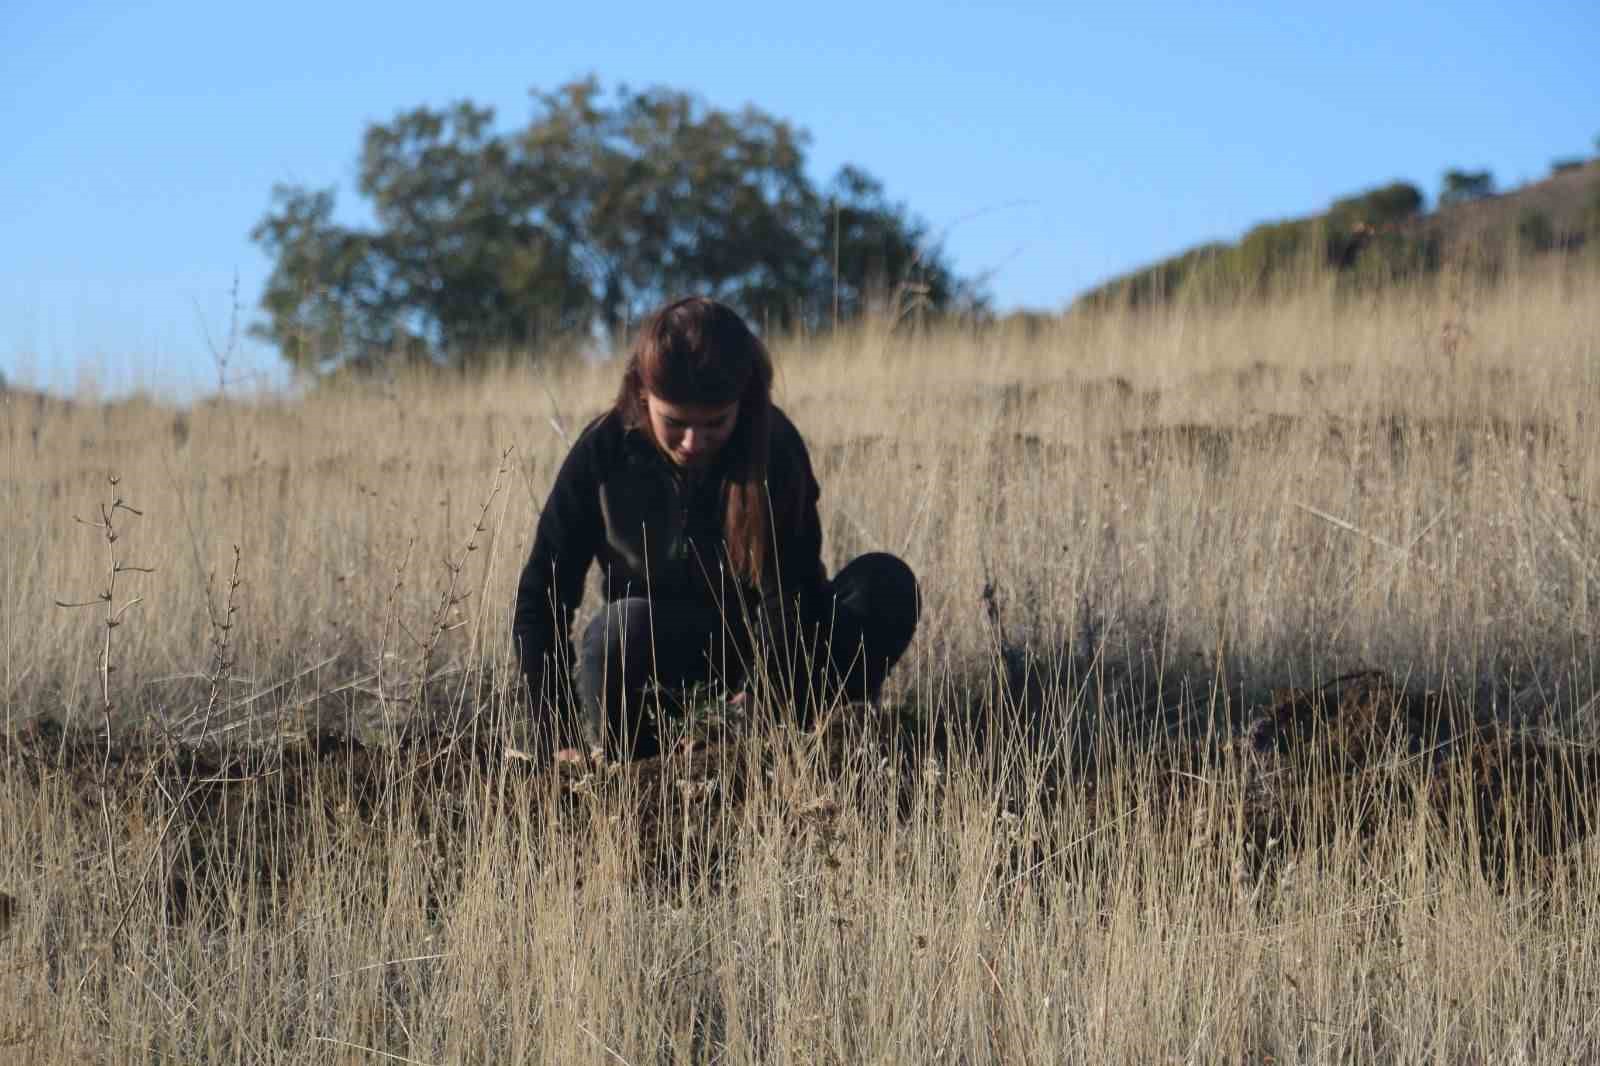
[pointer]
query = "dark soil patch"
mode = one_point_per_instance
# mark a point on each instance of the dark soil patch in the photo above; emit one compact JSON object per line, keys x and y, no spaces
{"x":247,"y":822}
{"x":1359,"y":750}
{"x":1389,"y":441}
{"x":1363,"y":742}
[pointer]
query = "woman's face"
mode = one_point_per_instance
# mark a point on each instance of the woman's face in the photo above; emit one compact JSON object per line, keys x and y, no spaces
{"x":690,"y":434}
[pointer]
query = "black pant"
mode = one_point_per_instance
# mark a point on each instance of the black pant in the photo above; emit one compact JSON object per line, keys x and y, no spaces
{"x":638,"y":649}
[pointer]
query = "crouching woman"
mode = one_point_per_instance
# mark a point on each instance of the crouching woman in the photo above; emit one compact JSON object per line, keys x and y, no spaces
{"x":696,"y":496}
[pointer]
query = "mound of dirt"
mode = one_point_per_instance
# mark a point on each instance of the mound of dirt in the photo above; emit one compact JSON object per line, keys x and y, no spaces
{"x":235,"y":819}
{"x":1387,"y":441}
{"x":1359,"y":751}
{"x":232,"y":817}
{"x":1363,"y":743}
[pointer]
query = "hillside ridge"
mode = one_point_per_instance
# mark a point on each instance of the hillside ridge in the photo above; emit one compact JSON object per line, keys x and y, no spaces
{"x":1375,"y":237}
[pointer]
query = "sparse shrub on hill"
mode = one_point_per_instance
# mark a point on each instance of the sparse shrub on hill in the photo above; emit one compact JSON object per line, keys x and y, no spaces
{"x":1271,"y":251}
{"x":1154,"y":286}
{"x":1379,"y":207}
{"x":1363,"y":233}
{"x":1392,"y":256}
{"x":1463,"y":186}
{"x":1534,"y":232}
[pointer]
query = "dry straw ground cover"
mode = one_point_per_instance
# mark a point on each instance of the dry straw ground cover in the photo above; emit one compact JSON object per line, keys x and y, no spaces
{"x":1248,"y":720}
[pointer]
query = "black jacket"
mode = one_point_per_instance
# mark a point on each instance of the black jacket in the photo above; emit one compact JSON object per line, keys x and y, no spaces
{"x":656,"y":530}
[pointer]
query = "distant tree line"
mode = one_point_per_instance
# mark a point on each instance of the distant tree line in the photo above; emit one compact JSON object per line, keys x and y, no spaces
{"x":1371,"y":239}
{"x":571,"y":227}
{"x":1356,"y":228}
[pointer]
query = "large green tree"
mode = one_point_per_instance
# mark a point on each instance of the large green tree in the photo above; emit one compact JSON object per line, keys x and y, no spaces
{"x":601,"y":207}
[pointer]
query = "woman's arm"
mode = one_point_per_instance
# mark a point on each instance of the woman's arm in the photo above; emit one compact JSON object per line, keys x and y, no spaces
{"x":800,"y":573}
{"x":551,"y":588}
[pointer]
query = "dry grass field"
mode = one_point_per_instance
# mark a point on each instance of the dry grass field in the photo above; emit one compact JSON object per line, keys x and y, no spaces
{"x":1124,"y":801}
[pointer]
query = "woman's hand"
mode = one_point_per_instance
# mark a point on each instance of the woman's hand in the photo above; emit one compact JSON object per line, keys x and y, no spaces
{"x":575,"y":759}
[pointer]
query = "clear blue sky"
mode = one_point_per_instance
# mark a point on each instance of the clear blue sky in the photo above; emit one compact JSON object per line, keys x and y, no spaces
{"x":1059,"y":142}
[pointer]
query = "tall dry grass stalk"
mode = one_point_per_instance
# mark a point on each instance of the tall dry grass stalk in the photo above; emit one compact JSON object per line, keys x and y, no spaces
{"x":1171,"y":513}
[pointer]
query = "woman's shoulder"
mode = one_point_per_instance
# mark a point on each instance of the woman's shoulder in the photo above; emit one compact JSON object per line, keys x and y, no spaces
{"x":596,"y":449}
{"x":784,"y":432}
{"x":607,"y":423}
{"x":603,"y":436}
{"x":789,"y":453}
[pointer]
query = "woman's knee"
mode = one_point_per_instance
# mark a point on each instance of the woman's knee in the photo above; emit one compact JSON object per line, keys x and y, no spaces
{"x":881,"y":587}
{"x":617,"y":638}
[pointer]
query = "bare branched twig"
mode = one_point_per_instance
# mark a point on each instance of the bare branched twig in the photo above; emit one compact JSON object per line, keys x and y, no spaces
{"x":221,"y":671}
{"x":222,"y":355}
{"x":113,"y":616}
{"x":391,"y":622}
{"x":453,"y":596}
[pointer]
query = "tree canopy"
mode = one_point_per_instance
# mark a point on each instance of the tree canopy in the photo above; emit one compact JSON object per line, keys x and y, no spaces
{"x":601,"y":207}
{"x":1463,"y":186}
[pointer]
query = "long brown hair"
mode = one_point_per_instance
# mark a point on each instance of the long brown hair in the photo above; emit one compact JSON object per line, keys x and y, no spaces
{"x":699,"y":352}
